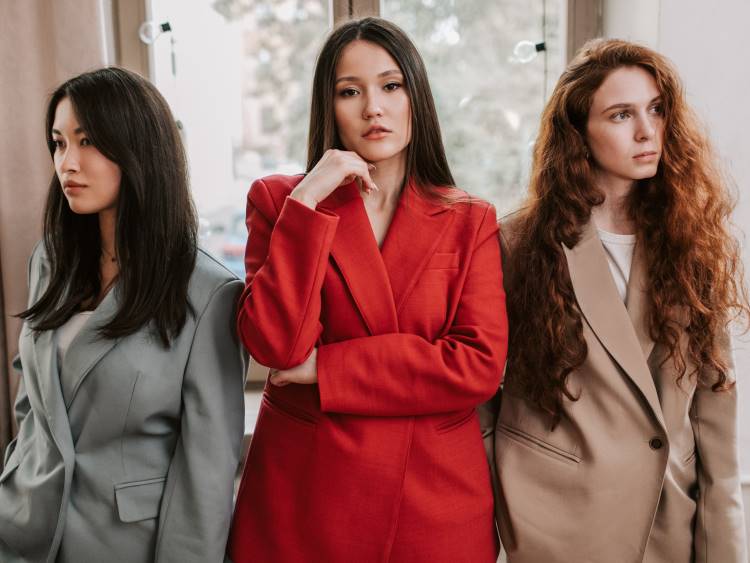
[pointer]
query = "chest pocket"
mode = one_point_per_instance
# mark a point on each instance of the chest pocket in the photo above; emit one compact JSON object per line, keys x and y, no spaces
{"x":443,"y":261}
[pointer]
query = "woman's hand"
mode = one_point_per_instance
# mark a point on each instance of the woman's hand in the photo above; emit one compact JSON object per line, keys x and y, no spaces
{"x":336,"y":168}
{"x":305,"y":373}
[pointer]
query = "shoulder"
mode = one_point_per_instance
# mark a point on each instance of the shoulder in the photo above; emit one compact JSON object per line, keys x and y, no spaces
{"x":38,"y":265}
{"x":471,"y":212}
{"x":466,"y":205}
{"x":510,"y":227}
{"x":268,"y":193}
{"x":209,"y":276}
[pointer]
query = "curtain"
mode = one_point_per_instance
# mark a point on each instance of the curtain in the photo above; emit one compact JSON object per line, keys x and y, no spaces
{"x":43,"y":43}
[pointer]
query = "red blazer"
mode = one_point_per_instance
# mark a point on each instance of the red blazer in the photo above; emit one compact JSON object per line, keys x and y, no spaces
{"x":382,"y":460}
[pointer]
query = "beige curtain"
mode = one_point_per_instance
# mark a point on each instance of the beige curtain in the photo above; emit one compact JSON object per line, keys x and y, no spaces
{"x":43,"y":43}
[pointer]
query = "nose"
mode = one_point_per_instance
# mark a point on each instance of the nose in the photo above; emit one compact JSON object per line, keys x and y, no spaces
{"x":373,"y":106}
{"x":69,"y":160}
{"x":646,"y":129}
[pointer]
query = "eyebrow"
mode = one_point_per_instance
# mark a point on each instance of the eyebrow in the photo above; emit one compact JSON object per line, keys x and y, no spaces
{"x":78,"y":131}
{"x":381,"y":75}
{"x":626,"y":106}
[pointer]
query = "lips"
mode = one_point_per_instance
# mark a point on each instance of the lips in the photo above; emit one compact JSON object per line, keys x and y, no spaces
{"x":376,"y":132}
{"x":646,"y":154}
{"x":72,"y":184}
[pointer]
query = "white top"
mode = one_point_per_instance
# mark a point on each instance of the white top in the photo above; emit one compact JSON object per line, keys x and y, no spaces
{"x":619,"y":251}
{"x":67,"y":332}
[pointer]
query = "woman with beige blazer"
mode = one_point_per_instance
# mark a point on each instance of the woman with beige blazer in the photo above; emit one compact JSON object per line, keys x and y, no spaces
{"x":130,"y":409}
{"x":615,"y":440}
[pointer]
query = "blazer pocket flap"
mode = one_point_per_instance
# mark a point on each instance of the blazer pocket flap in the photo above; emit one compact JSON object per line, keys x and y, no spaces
{"x":139,"y":500}
{"x":443,"y":261}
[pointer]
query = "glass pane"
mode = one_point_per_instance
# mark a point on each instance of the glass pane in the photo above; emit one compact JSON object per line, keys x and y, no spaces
{"x":237,"y":75}
{"x":489,"y":99}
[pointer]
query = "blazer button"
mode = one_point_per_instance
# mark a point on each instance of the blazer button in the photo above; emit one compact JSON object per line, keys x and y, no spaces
{"x":655,"y":443}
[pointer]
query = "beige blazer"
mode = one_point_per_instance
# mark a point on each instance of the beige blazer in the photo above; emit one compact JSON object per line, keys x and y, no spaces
{"x":640,"y":469}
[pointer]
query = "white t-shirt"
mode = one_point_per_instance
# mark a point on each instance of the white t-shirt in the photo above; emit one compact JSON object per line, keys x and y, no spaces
{"x":67,"y":332}
{"x":619,"y":251}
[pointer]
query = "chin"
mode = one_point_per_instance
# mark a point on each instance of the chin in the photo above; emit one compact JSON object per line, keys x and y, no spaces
{"x":81,"y":208}
{"x":379,"y":154}
{"x":645,"y":174}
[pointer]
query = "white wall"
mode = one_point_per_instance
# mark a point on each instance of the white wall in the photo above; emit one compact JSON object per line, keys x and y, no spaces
{"x":707,"y":41}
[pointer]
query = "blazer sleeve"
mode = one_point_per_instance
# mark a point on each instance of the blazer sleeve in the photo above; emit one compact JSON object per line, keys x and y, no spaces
{"x":22,"y":407}
{"x":197,"y":503}
{"x":285,"y":261}
{"x":720,"y":524}
{"x":405,"y":374}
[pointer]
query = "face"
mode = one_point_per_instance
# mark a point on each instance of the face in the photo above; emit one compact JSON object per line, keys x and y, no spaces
{"x":371,"y":104}
{"x":90,"y":181}
{"x":626,"y":125}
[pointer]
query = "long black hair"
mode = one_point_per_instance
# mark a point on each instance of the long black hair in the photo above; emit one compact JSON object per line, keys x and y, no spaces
{"x":426,"y":162}
{"x":130,"y":123}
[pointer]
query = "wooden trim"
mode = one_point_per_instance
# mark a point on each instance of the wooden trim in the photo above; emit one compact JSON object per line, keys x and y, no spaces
{"x":347,"y":9}
{"x":130,"y":51}
{"x":363,"y":8}
{"x":584,"y":23}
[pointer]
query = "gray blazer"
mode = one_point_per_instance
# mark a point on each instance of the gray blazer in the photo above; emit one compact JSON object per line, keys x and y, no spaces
{"x":128,"y":453}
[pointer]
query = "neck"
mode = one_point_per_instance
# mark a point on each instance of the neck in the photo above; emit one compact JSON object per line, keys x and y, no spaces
{"x":612,"y":214}
{"x":389,"y":177}
{"x":107,"y":219}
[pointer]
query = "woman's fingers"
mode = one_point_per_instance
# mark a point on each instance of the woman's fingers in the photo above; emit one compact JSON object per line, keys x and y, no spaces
{"x":352,"y":166}
{"x":277,"y":378}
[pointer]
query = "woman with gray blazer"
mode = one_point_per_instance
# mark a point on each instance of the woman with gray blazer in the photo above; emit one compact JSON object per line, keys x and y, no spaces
{"x":616,"y":438}
{"x":130,"y":407}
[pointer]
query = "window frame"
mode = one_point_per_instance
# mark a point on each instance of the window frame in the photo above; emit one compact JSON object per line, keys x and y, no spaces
{"x":584,"y":22}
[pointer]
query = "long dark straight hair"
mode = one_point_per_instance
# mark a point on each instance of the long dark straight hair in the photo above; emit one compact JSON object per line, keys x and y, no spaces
{"x":130,"y":123}
{"x":426,"y":163}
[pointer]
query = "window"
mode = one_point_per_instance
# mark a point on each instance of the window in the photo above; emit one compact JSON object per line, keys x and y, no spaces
{"x":489,"y":81}
{"x":237,"y":75}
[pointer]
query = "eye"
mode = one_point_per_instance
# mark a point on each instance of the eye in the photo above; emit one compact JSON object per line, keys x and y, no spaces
{"x":348,"y":92}
{"x":657,"y":109}
{"x":620,"y":116}
{"x":57,"y":144}
{"x":85,"y":142}
{"x":391,"y":86}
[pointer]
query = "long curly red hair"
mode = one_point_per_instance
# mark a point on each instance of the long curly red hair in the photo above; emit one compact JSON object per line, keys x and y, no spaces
{"x":681,"y":216}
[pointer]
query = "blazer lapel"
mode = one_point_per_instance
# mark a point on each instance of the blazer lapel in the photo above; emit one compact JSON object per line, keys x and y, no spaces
{"x":414,"y":234}
{"x":357,"y":256}
{"x":602,"y":306}
{"x":87,"y":348}
{"x":45,"y":355}
{"x":637,"y":300}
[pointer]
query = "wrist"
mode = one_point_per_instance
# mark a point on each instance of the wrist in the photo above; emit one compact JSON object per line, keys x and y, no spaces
{"x":304,"y":198}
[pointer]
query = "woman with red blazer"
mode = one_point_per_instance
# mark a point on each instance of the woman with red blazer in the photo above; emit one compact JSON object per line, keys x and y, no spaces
{"x":374,"y":294}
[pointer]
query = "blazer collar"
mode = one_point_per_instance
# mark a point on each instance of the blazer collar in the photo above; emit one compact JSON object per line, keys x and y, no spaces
{"x":622,"y":331}
{"x":88,"y":347}
{"x":380,"y":281}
